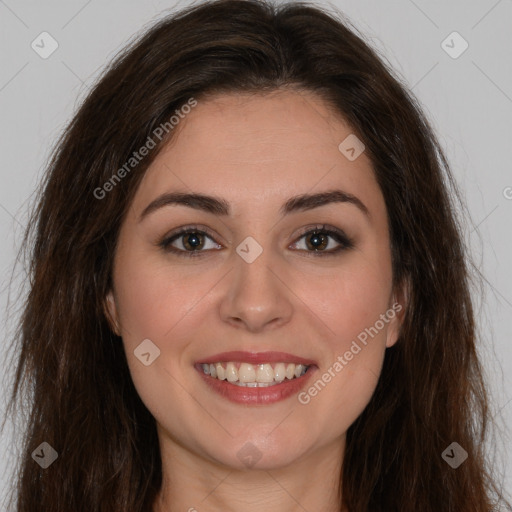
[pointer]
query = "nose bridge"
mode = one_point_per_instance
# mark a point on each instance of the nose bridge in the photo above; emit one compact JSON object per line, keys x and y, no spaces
{"x":256,"y":297}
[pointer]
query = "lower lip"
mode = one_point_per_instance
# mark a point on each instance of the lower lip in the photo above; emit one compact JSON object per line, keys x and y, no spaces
{"x":255,"y":396}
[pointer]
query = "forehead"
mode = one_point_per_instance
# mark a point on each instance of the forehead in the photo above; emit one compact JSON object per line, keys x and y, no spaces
{"x":263,"y":146}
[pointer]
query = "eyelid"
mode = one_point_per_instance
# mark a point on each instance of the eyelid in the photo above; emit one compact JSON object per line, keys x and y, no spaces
{"x":189,"y":228}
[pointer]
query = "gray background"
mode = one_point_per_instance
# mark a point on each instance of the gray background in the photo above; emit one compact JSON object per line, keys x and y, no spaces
{"x":468,"y":99}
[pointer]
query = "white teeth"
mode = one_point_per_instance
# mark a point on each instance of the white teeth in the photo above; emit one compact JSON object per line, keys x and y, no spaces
{"x":298,"y":370}
{"x":221,"y":373}
{"x":255,"y":384}
{"x":290,"y":371}
{"x":265,"y":373}
{"x":246,"y":373}
{"x":249,"y":375}
{"x":231,"y":372}
{"x":280,"y":372}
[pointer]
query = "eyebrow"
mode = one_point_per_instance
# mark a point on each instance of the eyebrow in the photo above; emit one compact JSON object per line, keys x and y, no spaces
{"x":218,"y":206}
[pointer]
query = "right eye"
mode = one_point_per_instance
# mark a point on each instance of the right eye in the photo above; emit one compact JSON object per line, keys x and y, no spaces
{"x":189,"y":242}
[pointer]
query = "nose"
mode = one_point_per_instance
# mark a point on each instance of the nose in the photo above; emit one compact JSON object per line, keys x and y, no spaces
{"x":257,"y":298}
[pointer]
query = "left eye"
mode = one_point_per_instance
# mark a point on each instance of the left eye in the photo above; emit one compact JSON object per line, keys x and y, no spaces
{"x":323,"y":240}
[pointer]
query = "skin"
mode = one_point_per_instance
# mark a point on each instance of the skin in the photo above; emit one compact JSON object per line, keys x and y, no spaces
{"x":255,"y":152}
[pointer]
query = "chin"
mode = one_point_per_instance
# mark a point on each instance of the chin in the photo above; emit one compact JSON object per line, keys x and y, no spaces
{"x":262,"y":452}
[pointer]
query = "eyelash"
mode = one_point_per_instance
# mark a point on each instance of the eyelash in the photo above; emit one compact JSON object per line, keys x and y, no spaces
{"x":338,"y":235}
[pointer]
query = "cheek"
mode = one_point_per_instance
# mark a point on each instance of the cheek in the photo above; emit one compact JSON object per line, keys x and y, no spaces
{"x":152,"y":300}
{"x":350,"y":303}
{"x":153,"y":304}
{"x":350,"y":300}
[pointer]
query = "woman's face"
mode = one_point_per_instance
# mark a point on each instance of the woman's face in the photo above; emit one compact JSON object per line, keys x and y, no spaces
{"x":261,"y":289}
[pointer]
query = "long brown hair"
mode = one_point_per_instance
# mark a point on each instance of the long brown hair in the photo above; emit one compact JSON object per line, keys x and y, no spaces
{"x":83,"y":402}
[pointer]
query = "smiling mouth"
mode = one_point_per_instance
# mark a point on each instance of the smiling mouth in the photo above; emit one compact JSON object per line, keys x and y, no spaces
{"x":254,"y":375}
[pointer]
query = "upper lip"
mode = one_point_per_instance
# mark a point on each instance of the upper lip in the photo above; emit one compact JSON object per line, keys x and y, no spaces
{"x":256,"y":358}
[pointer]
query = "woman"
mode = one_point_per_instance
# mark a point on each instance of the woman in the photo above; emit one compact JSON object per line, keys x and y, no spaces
{"x":249,"y":289}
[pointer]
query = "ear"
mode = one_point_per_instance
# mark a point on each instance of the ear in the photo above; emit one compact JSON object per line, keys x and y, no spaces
{"x":396,"y":312}
{"x":110,"y":310}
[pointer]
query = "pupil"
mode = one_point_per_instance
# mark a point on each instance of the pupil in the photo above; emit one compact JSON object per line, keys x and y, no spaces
{"x":193,"y":241}
{"x":318,"y":240}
